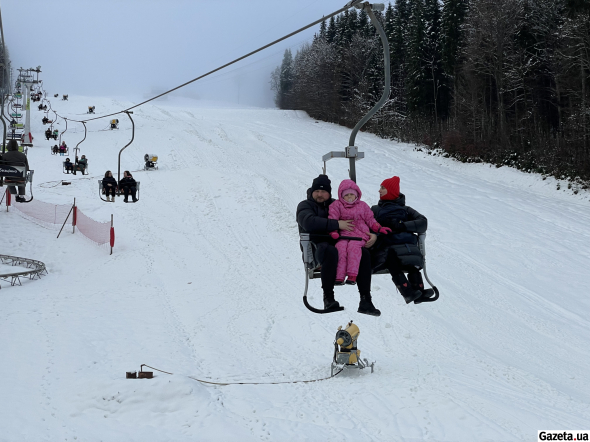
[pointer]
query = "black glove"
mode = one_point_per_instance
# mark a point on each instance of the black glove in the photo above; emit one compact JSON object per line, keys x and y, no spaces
{"x":399,"y":227}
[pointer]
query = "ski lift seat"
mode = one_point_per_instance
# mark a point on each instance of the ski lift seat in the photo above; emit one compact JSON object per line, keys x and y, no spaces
{"x":14,"y":135}
{"x":118,"y":192}
{"x":313,"y":268}
{"x":16,"y":174}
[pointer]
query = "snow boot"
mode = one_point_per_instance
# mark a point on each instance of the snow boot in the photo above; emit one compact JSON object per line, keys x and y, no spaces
{"x":405,"y":288}
{"x":417,"y":283}
{"x":351,"y":280}
{"x":366,"y":306}
{"x":330,"y":303}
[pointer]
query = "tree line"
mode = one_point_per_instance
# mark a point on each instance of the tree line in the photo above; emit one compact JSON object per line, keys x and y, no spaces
{"x":500,"y":81}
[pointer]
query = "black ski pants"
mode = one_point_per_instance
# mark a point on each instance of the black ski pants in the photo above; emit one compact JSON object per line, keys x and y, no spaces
{"x":129,"y":190}
{"x":327,"y":255}
{"x":397,"y":270}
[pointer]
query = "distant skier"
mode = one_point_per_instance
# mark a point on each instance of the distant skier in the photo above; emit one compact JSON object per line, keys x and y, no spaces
{"x":399,"y":251}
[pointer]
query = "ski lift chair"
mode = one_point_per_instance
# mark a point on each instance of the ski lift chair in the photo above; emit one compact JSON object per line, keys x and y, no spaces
{"x":16,"y":174}
{"x":14,"y":135}
{"x":91,"y":109}
{"x":313,"y":268}
{"x":114,"y":124}
{"x":151,"y":162}
{"x":118,"y":192}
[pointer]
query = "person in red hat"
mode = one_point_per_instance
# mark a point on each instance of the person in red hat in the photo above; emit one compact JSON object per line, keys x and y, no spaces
{"x":399,"y":251}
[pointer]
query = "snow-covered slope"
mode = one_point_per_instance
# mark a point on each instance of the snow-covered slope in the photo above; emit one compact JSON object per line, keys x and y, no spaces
{"x":206,"y":281}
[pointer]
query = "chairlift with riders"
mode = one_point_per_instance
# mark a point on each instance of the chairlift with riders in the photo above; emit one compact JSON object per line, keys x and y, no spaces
{"x":16,"y":174}
{"x":118,"y":191}
{"x":311,"y":266}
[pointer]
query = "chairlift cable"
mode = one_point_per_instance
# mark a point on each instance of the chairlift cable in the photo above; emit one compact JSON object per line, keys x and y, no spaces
{"x":324,"y":18}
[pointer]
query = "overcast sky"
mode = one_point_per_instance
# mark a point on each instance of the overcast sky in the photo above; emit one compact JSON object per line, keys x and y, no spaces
{"x":136,"y":47}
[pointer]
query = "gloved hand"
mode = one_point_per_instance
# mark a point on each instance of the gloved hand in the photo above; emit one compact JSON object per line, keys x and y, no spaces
{"x":384,"y":230}
{"x":334,"y":235}
{"x":399,"y":227}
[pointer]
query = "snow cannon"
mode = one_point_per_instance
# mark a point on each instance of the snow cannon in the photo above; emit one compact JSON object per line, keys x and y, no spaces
{"x":346,"y":353}
{"x":151,"y":161}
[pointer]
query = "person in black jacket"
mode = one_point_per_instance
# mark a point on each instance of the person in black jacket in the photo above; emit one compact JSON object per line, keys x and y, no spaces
{"x":16,"y":158}
{"x":109,"y":184}
{"x":399,"y":251}
{"x":312,"y":217}
{"x":128,"y":186}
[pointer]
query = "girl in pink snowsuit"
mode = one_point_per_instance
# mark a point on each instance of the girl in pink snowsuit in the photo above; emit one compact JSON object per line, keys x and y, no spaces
{"x":350,"y":207}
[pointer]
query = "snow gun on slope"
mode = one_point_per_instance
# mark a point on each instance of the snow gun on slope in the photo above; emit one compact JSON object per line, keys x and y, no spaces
{"x":346,"y":354}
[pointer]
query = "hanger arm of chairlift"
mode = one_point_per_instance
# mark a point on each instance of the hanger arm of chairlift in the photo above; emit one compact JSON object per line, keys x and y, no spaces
{"x":127,"y":145}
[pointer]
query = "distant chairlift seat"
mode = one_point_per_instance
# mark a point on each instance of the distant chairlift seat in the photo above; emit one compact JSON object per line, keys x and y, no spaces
{"x":118,"y":192}
{"x":16,"y":174}
{"x":13,"y":135}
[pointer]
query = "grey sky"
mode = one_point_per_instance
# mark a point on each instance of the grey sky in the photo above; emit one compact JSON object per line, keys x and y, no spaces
{"x":135,"y":47}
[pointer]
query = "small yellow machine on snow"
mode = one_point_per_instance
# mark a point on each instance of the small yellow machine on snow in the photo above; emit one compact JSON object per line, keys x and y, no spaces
{"x":346,"y":354}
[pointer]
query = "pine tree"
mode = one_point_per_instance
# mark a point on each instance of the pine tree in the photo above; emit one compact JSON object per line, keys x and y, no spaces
{"x":286,"y":80}
{"x":453,"y":35}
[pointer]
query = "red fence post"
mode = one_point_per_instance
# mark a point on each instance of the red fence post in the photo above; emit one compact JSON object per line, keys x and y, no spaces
{"x":8,"y":197}
{"x":112,"y":235}
{"x":74,"y":217}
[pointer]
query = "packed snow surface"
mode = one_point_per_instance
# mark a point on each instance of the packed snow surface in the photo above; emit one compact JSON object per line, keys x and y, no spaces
{"x":206,"y":281}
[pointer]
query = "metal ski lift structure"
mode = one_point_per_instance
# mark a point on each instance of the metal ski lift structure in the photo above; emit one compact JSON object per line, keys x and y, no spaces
{"x":312,"y":268}
{"x":118,"y":191}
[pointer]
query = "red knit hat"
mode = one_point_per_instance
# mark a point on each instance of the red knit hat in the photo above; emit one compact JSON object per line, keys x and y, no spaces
{"x":392,"y":186}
